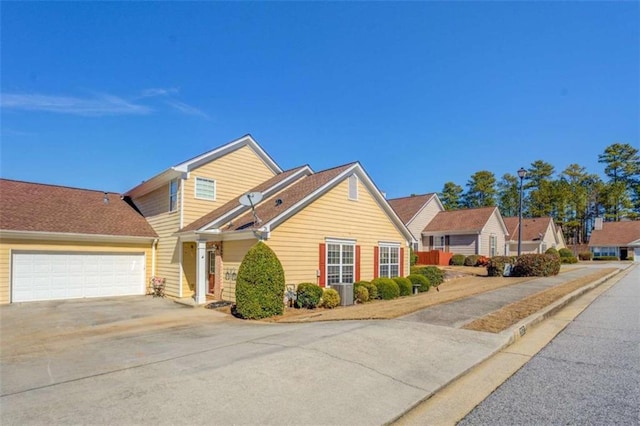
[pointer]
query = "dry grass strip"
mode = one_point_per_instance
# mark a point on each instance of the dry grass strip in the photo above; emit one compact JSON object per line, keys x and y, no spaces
{"x":509,"y":315}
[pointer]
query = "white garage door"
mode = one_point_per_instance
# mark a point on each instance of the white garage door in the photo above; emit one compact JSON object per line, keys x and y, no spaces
{"x":636,"y":254}
{"x":53,"y":276}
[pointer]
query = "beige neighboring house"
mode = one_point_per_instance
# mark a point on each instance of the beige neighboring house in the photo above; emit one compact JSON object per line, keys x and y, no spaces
{"x":416,"y":211}
{"x":58,"y":242}
{"x":620,"y":239}
{"x":467,"y":231}
{"x":538,"y":235}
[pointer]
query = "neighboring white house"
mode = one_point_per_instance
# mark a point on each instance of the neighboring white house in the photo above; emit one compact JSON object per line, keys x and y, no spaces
{"x":416,"y":211}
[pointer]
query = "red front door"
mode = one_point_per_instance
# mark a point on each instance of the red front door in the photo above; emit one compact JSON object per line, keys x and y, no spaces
{"x":211,"y":269}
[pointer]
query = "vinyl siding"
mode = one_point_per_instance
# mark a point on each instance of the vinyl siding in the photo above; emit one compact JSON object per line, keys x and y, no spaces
{"x":232,"y":254}
{"x":155,"y":208}
{"x":333,"y":215}
{"x":463,"y":244}
{"x":234,"y":173}
{"x":421,"y":220}
{"x":493,"y":227}
{"x":7,"y":245}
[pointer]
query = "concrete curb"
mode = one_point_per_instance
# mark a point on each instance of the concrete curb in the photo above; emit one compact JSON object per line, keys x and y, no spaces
{"x":518,"y":330}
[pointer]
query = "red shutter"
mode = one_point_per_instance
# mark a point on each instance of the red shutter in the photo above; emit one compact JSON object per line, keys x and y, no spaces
{"x":322,"y":279}
{"x":357,"y":277}
{"x":376,"y":262}
{"x":430,"y":242}
{"x":402,"y":261}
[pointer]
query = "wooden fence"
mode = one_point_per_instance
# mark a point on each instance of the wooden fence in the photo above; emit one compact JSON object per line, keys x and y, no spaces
{"x":433,"y":257}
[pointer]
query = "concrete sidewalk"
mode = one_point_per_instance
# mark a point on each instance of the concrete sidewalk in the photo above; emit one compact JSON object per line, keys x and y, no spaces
{"x":235,"y":372}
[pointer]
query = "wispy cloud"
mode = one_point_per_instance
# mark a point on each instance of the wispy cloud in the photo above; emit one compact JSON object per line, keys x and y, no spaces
{"x":98,"y":105}
{"x":186,"y":109}
{"x":158,"y":91}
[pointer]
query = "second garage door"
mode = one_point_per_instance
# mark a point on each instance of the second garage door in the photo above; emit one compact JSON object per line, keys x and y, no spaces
{"x":64,"y":275}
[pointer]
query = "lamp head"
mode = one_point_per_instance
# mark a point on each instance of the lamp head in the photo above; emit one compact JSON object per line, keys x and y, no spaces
{"x":522,"y":173}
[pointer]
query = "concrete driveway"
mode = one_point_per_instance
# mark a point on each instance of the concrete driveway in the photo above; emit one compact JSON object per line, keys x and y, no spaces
{"x":150,"y":361}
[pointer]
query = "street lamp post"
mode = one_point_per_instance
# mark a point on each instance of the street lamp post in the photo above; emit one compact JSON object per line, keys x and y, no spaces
{"x":521,"y":174}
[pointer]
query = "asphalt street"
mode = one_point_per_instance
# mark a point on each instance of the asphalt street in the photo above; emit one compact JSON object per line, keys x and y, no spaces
{"x":589,"y":374}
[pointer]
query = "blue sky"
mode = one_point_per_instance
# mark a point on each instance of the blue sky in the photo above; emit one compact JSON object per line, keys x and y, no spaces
{"x":105,"y":95}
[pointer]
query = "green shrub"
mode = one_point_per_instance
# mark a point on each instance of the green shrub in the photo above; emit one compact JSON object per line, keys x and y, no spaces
{"x":605,"y":258}
{"x":413,"y":259}
{"x":421,"y":280}
{"x":471,"y":260}
{"x":536,"y":265}
{"x":387,"y":288}
{"x":260,"y":284}
{"x":308,"y":295}
{"x":565,"y":252}
{"x":552,"y":251}
{"x":435,"y":275}
{"x":495,"y":267}
{"x":457,"y":260}
{"x":585,"y":255}
{"x":371,"y":288}
{"x":330,"y":298}
{"x":405,"y":286}
{"x":361,"y":294}
{"x":570,"y":259}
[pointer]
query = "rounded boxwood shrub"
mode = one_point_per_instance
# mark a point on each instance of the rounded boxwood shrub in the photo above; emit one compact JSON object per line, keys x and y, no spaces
{"x":457,"y":260}
{"x":361,"y":294}
{"x":405,"y":286}
{"x":387,"y":288}
{"x":536,"y":265}
{"x":495,"y":267}
{"x":569,"y":259}
{"x":471,"y":260}
{"x":552,"y":251}
{"x":585,"y":255}
{"x":308,"y":295}
{"x":330,"y":298}
{"x":421,"y":280}
{"x":260,"y":284}
{"x":565,"y":252}
{"x":371,"y":288}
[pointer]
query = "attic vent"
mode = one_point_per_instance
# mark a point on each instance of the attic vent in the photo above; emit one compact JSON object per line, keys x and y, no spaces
{"x":278,"y":201}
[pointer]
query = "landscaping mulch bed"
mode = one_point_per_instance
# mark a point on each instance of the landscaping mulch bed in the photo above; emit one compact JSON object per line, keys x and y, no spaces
{"x":509,"y":315}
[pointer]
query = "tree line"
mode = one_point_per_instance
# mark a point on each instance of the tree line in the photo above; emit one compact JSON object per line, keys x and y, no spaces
{"x":573,"y":197}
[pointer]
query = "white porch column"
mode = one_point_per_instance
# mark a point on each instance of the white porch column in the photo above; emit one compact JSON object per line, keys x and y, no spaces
{"x":201,"y":273}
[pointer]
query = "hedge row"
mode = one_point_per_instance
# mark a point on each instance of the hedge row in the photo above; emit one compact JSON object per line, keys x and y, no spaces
{"x":526,"y":265}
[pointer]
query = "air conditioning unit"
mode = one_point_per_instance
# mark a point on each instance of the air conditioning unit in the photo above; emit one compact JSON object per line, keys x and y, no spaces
{"x":345,"y":290}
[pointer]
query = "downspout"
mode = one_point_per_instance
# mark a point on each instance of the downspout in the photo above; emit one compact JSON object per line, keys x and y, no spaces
{"x":180,"y":243}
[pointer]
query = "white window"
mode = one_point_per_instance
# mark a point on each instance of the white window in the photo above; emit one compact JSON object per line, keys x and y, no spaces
{"x":389,"y":261}
{"x":205,"y":189}
{"x":438,"y":242}
{"x":493,"y":243}
{"x":353,"y":187}
{"x":173,"y":195}
{"x":340,"y":262}
{"x":212,"y":262}
{"x":604,"y":251}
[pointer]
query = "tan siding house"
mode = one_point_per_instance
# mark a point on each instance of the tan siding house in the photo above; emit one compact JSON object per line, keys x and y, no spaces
{"x":192,"y":226}
{"x":478,"y":231}
{"x":416,"y":211}
{"x":338,"y":210}
{"x":620,"y":239}
{"x":538,"y":235}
